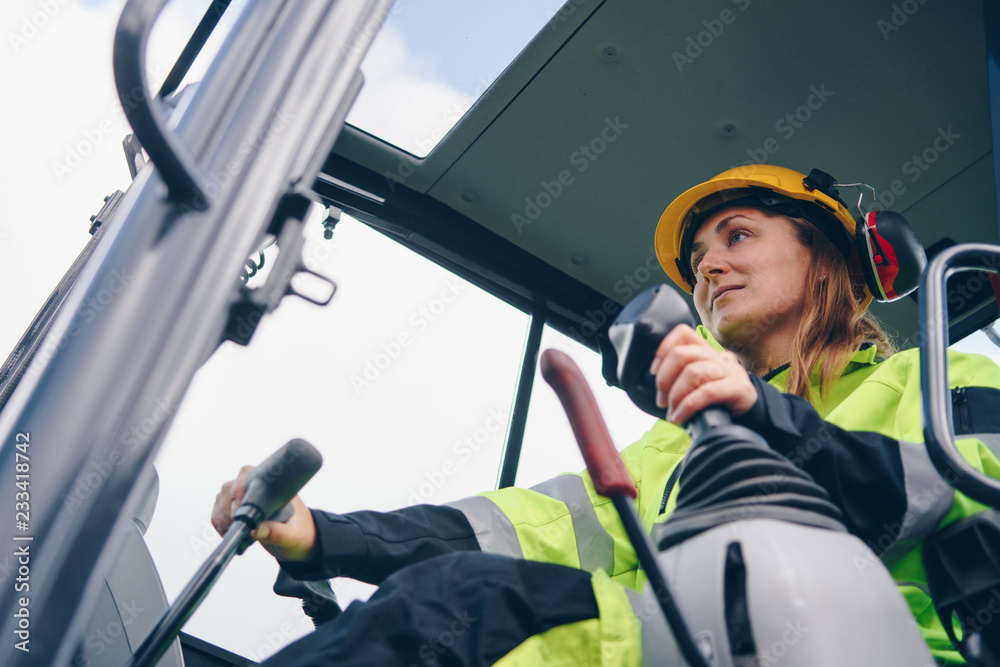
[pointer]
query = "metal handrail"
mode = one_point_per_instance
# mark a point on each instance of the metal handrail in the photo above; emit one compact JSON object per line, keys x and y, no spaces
{"x":184,"y":179}
{"x":99,"y":400}
{"x":937,"y":414}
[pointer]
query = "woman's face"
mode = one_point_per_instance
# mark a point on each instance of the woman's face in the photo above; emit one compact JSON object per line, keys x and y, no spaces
{"x":751,"y":271}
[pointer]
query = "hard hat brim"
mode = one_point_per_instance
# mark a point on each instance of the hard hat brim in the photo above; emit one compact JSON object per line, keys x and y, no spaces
{"x":713,"y":194}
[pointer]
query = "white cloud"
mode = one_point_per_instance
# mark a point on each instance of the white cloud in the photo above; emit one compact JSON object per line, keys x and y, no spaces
{"x":404,"y":101}
{"x":294,"y":380}
{"x":59,"y":100}
{"x":62,"y":130}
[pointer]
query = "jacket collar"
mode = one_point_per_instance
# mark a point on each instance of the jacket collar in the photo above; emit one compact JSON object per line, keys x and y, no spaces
{"x":863,"y":358}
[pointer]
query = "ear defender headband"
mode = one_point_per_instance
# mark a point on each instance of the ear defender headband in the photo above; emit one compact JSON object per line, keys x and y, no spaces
{"x":884,"y":245}
{"x":891,"y":256}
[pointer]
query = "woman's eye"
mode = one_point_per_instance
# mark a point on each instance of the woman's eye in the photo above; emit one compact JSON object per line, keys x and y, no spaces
{"x":737,"y":236}
{"x":694,"y":265}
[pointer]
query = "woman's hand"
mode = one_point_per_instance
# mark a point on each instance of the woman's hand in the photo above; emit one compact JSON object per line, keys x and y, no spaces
{"x":691,"y":375}
{"x":294,"y":540}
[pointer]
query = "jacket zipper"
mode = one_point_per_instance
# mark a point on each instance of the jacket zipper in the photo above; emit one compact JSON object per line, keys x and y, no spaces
{"x":960,"y":401}
{"x":670,"y":486}
{"x":774,"y":371}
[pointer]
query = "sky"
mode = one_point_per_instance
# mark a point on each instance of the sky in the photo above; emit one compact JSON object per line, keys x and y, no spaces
{"x":404,"y":382}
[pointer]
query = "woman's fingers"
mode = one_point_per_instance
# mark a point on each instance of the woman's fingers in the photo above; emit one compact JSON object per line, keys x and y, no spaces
{"x":681,"y":334}
{"x":221,"y":516}
{"x":676,"y":349}
{"x":293,"y":540}
{"x":240,"y":488}
{"x":727,"y":391}
{"x":674,"y":356}
{"x":228,"y":500}
{"x":691,"y":375}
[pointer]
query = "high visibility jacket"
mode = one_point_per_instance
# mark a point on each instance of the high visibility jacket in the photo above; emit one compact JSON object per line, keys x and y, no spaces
{"x":862,"y":443}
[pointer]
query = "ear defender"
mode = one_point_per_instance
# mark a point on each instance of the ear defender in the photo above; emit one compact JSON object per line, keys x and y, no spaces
{"x":889,"y":252}
{"x":890,"y":255}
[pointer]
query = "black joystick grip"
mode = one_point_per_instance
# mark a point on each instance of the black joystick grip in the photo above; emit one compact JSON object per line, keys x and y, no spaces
{"x":273,"y":483}
{"x":636,"y":334}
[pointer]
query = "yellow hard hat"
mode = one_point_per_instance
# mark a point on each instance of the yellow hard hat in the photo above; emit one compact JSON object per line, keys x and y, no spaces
{"x":783,"y":190}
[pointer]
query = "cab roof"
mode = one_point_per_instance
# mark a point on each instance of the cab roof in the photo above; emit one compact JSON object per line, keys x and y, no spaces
{"x":616,"y":107}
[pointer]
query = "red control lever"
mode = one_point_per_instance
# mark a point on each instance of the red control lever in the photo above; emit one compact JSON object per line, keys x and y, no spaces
{"x":603,"y":461}
{"x":611,"y":480}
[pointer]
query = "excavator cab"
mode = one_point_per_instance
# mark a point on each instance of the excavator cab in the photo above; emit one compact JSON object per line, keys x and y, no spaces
{"x":358,"y":222}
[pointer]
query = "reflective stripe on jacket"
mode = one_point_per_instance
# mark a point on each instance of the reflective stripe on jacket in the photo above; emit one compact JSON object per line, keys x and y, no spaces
{"x":884,"y":481}
{"x":862,"y":444}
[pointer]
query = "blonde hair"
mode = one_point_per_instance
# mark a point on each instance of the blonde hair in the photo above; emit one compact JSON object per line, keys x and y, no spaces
{"x":834,"y":324}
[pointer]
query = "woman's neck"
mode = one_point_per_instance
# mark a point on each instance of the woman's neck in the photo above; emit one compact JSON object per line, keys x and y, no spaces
{"x":765,"y":355}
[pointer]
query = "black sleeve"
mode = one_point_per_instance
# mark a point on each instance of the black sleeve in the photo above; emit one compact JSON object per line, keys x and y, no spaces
{"x":370,"y":546}
{"x":862,"y":471}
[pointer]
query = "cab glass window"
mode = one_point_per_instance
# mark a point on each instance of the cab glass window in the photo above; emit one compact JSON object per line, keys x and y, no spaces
{"x":442,"y":57}
{"x":404,"y":382}
{"x":549,"y":445}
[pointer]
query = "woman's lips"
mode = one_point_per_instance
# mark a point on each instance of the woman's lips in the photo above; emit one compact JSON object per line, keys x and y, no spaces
{"x":722,"y":291}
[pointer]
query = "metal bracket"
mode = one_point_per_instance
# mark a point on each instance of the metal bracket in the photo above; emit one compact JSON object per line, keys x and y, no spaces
{"x":330,"y":222}
{"x":133,"y":154}
{"x":110,"y":206}
{"x":253,"y":304}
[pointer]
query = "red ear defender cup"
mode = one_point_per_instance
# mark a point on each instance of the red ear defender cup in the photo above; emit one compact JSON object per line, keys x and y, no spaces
{"x":891,"y":256}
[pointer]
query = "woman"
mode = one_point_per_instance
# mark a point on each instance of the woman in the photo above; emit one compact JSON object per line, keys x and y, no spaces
{"x":547,"y":575}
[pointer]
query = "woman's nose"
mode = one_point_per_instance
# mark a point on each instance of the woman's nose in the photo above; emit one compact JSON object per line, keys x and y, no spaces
{"x":712,"y":263}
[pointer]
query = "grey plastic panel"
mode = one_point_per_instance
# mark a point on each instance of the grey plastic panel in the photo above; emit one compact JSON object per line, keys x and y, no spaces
{"x":816,"y":597}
